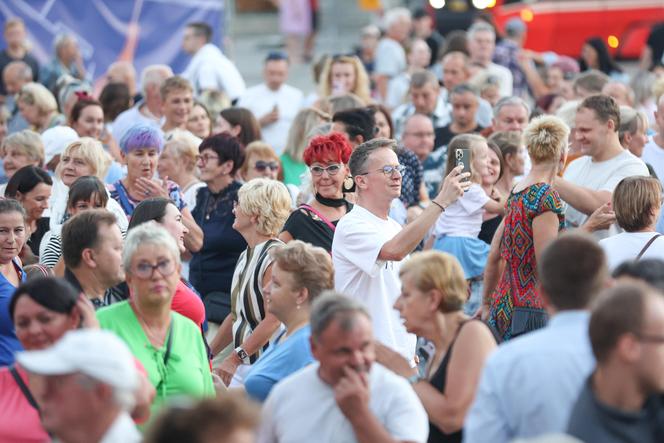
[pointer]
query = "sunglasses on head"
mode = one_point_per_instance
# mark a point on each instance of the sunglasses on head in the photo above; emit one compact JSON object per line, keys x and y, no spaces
{"x":261,"y":166}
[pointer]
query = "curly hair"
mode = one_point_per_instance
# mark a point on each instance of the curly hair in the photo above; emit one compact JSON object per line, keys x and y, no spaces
{"x":269,"y":201}
{"x":296,"y":258}
{"x":546,"y":138}
{"x":325,"y":148}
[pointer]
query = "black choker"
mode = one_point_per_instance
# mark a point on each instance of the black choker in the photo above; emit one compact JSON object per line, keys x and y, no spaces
{"x":331,"y":202}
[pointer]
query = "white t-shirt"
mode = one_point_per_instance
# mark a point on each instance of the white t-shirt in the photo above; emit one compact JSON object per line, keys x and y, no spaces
{"x":359,"y":274}
{"x":397,"y":90}
{"x":189,"y":194}
{"x":302,"y":408}
{"x":390,"y":58}
{"x":463,"y":218}
{"x":260,"y":100}
{"x":653,"y":154}
{"x":131,"y":117}
{"x":627,"y":245}
{"x":209,"y":68}
{"x":601,"y":176}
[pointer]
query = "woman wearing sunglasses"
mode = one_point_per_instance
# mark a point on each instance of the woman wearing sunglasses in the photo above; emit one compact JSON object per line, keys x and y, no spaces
{"x":260,"y":160}
{"x":168,"y":344}
{"x":327,"y":158}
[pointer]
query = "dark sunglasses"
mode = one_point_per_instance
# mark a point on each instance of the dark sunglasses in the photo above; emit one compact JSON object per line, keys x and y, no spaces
{"x":261,"y":166}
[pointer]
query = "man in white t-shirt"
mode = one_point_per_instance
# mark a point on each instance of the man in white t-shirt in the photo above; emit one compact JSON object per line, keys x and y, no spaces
{"x":273,"y":102}
{"x":346,"y":396}
{"x":653,"y":152}
{"x":481,"y":44}
{"x":390,"y":59}
{"x":368,"y":246}
{"x":589,"y":181}
{"x":209,"y":68}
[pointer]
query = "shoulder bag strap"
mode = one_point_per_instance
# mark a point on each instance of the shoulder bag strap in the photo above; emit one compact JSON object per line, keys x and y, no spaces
{"x":645,"y":248}
{"x":321,"y":216}
{"x":24,"y":388}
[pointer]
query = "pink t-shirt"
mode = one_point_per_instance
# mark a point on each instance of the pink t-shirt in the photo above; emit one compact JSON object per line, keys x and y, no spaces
{"x":188,"y":303}
{"x":19,"y":421}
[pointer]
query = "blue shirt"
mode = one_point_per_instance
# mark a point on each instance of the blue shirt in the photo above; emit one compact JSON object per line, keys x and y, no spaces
{"x":9,"y":344}
{"x":529,"y":385}
{"x":278,"y":362}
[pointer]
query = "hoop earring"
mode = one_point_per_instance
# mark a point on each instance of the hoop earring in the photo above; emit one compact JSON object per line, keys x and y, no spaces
{"x":348,"y":185}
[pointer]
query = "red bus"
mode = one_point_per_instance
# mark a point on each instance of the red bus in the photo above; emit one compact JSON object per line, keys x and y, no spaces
{"x":562,"y":26}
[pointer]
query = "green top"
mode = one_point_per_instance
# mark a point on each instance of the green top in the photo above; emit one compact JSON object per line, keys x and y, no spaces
{"x":187,"y":371}
{"x":292,"y":170}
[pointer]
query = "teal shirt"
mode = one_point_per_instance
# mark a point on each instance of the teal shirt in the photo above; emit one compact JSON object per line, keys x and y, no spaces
{"x":292,"y":170}
{"x":187,"y":372}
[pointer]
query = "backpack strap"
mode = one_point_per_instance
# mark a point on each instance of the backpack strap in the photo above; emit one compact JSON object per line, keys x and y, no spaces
{"x":645,"y":248}
{"x":24,"y":388}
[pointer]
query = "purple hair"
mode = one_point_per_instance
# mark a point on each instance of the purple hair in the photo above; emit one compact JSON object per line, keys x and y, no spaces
{"x":141,"y":136}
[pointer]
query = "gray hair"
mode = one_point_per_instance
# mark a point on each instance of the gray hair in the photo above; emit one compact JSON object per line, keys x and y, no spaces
{"x":330,"y":306}
{"x":393,"y":15}
{"x":61,"y":40}
{"x":124,"y":398}
{"x":480,"y":27}
{"x":24,"y":70}
{"x":567,"y":112}
{"x":360,"y":156}
{"x":510,"y":101}
{"x":154,"y":75}
{"x":423,"y":77}
{"x":629,"y":121}
{"x":149,"y":233}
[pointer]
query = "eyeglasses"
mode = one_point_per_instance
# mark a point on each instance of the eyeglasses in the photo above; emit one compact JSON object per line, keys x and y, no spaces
{"x":261,"y":166}
{"x":650,"y":338}
{"x":146,"y":270}
{"x":331,"y":170}
{"x":421,"y":134}
{"x":206,"y":158}
{"x":388,"y":170}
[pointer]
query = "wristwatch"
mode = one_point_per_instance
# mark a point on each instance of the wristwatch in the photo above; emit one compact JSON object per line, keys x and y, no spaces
{"x":242,"y":355}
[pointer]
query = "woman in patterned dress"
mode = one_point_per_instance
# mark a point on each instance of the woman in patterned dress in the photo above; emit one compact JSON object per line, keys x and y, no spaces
{"x":512,"y":304}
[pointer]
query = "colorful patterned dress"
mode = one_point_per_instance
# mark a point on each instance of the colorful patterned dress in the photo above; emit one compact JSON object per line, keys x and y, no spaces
{"x":517,"y":287}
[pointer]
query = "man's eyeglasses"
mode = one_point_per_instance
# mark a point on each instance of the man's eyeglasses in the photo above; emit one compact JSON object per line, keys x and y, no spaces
{"x":261,"y":166}
{"x":146,"y":270}
{"x":331,"y":170}
{"x":388,"y":170}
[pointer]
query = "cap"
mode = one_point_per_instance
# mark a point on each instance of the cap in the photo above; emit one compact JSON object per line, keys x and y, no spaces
{"x":56,"y":139}
{"x":98,"y":354}
{"x":515,"y":26}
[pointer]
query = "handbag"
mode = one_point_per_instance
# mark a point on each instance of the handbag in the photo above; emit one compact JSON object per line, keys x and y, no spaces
{"x":647,"y":245}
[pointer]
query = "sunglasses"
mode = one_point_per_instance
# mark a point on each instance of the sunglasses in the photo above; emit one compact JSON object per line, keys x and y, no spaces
{"x":261,"y":166}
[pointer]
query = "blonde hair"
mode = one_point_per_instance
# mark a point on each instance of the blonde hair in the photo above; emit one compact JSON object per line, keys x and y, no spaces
{"x":184,"y":145}
{"x":464,"y":141}
{"x":303,"y":123}
{"x":546,"y":138}
{"x":174,"y":84}
{"x":259,"y":148}
{"x":93,"y":154}
{"x":269,"y":201}
{"x":28,"y":143}
{"x":37,"y":94}
{"x":437,"y":270}
{"x":361,"y":86}
{"x":296,"y":257}
{"x":634,"y":201}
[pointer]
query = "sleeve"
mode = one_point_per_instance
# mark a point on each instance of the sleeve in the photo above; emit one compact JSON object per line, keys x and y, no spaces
{"x":386,"y":62}
{"x":551,"y":202}
{"x":231,"y":80}
{"x":486,"y":418}
{"x":176,"y":195}
{"x":356,"y":243}
{"x":294,"y":223}
{"x":635,"y":167}
{"x":474,"y":199}
{"x":52,"y":252}
{"x":267,"y":432}
{"x":407,"y":420}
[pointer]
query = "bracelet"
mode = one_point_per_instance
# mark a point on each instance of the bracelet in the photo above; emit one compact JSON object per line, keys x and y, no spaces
{"x":442,"y":208}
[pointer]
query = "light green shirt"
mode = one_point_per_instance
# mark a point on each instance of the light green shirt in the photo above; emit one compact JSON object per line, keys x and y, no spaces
{"x":292,"y":170}
{"x":187,"y":372}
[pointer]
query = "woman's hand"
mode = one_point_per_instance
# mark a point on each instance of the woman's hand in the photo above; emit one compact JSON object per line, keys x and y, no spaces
{"x":453,"y":187}
{"x":87,"y":311}
{"x":150,"y":187}
{"x":393,"y":361}
{"x":228,"y":367}
{"x":602,"y":218}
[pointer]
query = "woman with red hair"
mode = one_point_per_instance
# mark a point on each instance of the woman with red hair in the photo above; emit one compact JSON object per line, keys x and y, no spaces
{"x":327,"y":158}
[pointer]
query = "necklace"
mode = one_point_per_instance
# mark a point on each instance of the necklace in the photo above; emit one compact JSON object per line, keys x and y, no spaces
{"x":157,"y":340}
{"x":331,"y":202}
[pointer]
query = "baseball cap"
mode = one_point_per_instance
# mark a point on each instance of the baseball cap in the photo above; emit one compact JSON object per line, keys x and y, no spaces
{"x":98,"y":354}
{"x":56,"y":139}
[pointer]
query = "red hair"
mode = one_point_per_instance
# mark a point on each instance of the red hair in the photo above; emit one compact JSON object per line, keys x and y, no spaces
{"x":325,"y":148}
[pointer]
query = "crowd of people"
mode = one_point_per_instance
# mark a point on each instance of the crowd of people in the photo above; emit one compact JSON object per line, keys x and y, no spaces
{"x":451,"y":239}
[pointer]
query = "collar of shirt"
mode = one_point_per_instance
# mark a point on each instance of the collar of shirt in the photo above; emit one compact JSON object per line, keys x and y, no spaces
{"x":566,"y":318}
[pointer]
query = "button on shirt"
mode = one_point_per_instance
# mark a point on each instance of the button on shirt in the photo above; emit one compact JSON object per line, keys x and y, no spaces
{"x":530,"y":384}
{"x":260,"y":100}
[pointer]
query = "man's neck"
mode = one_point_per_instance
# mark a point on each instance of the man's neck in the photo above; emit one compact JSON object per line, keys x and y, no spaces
{"x":169,"y":126}
{"x":615,"y":386}
{"x":16,"y":52}
{"x":483,"y":63}
{"x":90,"y":430}
{"x":613,"y":149}
{"x":150,"y":109}
{"x":457,"y":128}
{"x":376,"y":206}
{"x":273,"y":88}
{"x":90,"y":284}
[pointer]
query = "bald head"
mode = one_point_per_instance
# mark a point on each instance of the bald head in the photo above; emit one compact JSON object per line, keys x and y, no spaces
{"x":123,"y":72}
{"x":455,"y":69}
{"x":15,"y":75}
{"x":418,"y":135}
